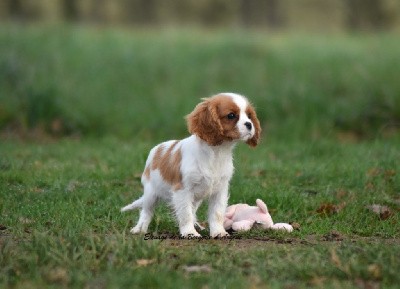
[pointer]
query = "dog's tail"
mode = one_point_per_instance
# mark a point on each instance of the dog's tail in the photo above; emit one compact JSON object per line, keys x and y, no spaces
{"x":135,"y":205}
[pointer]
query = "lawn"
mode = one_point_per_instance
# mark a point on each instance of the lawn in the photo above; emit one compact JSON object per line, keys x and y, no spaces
{"x":81,"y":107}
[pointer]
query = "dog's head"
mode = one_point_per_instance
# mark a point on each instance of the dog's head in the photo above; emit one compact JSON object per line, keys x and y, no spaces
{"x":225,"y":117}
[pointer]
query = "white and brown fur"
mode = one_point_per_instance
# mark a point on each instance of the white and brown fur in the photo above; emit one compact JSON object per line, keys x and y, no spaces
{"x":186,"y":172}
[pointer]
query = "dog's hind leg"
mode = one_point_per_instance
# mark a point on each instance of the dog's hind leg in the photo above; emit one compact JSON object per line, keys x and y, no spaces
{"x":149,"y":200}
{"x":196,"y":205}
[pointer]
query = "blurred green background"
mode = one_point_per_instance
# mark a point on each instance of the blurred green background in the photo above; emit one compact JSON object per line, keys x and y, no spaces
{"x":317,"y":15}
{"x":133,"y":69}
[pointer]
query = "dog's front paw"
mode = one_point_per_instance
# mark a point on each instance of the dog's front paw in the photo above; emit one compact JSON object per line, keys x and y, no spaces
{"x":188,"y":231}
{"x":219,"y":234}
{"x":190,"y":234}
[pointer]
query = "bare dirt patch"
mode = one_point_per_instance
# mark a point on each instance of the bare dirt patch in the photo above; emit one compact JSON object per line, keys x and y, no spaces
{"x":261,"y":242}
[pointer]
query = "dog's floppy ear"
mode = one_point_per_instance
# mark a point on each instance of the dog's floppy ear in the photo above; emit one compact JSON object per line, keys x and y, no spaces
{"x":262,"y":206}
{"x":257,"y":127}
{"x":204,"y":122}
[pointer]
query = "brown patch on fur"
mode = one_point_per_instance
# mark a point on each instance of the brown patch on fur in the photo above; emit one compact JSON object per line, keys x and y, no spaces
{"x":251,"y":113}
{"x":146,"y":172}
{"x":169,"y":165}
{"x":157,"y":157}
{"x":209,"y":120}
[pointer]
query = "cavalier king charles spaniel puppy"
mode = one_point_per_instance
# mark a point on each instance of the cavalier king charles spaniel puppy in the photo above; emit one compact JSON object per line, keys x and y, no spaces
{"x":184,"y":172}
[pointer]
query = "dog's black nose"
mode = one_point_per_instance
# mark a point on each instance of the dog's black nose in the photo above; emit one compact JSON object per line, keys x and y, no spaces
{"x":248,"y":125}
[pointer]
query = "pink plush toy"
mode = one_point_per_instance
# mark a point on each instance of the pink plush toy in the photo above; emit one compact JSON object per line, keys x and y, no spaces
{"x":242,"y":217}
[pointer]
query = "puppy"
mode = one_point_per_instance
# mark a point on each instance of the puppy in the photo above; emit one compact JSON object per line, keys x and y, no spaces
{"x":185,"y":172}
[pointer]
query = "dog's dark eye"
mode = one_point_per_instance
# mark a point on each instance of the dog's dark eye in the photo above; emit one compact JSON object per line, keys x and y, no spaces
{"x":249,"y":115}
{"x":231,"y":116}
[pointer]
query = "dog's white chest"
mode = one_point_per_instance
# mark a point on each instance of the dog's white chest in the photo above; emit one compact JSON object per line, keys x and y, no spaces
{"x":211,"y":173}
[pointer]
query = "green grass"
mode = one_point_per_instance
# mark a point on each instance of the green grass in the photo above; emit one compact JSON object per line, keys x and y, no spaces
{"x":330,"y":109}
{"x":60,"y":204}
